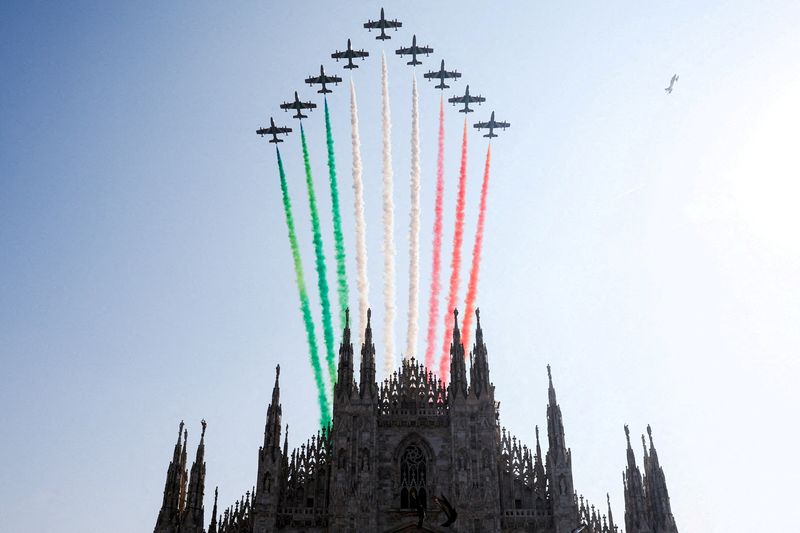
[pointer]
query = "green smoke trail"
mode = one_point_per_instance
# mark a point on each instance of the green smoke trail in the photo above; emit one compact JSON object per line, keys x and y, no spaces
{"x":341,"y":273}
{"x":311,"y":336}
{"x":322,"y":280}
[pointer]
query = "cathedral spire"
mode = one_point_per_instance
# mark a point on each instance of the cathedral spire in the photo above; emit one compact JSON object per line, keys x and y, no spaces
{"x":367,"y":385}
{"x":183,"y":474}
{"x":551,"y":391}
{"x":212,"y":527}
{"x":192,"y":519}
{"x":555,"y":423}
{"x":272,"y":427}
{"x":344,"y":382}
{"x":636,"y":520}
{"x":479,"y":373}
{"x":611,"y":527}
{"x":169,"y":513}
{"x":458,"y":368}
{"x":540,"y":479}
{"x":559,"y":463}
{"x":659,"y":507}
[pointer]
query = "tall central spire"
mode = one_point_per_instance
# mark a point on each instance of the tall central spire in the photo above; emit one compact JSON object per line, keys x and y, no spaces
{"x":367,"y":385}
{"x":458,"y":368}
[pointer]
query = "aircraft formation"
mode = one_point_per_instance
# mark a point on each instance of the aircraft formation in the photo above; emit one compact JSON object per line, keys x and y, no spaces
{"x":349,"y":54}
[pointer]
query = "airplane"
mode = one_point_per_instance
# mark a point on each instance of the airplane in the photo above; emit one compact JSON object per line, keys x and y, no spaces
{"x":298,"y":106}
{"x":323,"y":80}
{"x":382,"y":24}
{"x":674,"y":79}
{"x":466,"y":100}
{"x":492,"y":124}
{"x":349,"y":54}
{"x":441,"y":75}
{"x":274,"y":131}
{"x":414,"y":50}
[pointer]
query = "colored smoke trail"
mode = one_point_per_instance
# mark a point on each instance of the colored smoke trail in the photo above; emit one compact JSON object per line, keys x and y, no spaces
{"x":413,"y":229}
{"x":322,"y":281}
{"x":455,"y":262}
{"x":305,"y":308}
{"x":388,"y":225}
{"x":341,"y":272}
{"x":436,"y":270}
{"x":361,"y":225}
{"x":472,"y":287}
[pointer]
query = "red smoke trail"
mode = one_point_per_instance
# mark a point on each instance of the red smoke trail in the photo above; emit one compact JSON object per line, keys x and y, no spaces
{"x":472,"y":288}
{"x":436,"y":271}
{"x":455,"y":262}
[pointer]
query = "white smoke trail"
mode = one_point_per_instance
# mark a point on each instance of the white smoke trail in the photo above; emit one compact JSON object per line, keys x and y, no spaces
{"x":388,"y":226}
{"x":361,"y":225}
{"x":413,"y":229}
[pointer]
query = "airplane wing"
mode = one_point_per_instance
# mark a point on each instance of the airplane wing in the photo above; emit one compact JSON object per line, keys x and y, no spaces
{"x":480,"y":125}
{"x":404,"y":51}
{"x":424,"y":50}
{"x":372,"y":24}
{"x":431,"y":75}
{"x":282,"y":130}
{"x":315,"y":79}
{"x":501,"y":124}
{"x":478,"y":99}
{"x":458,"y":100}
{"x":341,"y":55}
{"x":307,"y":105}
{"x":332,"y":79}
{"x":360,"y":53}
{"x":452,"y":74}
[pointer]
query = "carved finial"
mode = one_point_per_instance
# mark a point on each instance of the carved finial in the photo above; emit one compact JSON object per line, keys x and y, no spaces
{"x":369,"y":316}
{"x":455,"y":316}
{"x":644,"y":445}
{"x":180,"y":430}
{"x":203,"y":423}
{"x":650,"y":435}
{"x":478,"y":316}
{"x":277,"y":372}
{"x":347,"y":317}
{"x":628,"y":435}
{"x":549,"y":375}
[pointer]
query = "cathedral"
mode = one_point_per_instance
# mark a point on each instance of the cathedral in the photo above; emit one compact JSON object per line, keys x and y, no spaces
{"x":393,"y":448}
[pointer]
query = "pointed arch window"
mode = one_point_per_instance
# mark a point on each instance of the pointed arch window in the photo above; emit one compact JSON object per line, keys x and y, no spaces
{"x":413,"y":478}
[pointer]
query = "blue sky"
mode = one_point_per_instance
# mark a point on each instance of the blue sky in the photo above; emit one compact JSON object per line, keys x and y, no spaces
{"x":644,"y":245}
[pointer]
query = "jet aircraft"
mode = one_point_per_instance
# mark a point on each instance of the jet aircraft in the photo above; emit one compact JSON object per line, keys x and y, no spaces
{"x":441,"y":75}
{"x":414,"y":50}
{"x":274,"y":131}
{"x":349,"y":54}
{"x":382,"y":24}
{"x":466,"y":100}
{"x":323,"y":80}
{"x":492,"y":124}
{"x":672,"y":82}
{"x":298,"y":106}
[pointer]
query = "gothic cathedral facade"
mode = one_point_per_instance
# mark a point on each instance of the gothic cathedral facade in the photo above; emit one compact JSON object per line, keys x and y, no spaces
{"x":392,"y":448}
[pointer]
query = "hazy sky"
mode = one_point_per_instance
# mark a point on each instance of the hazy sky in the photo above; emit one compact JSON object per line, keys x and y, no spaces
{"x":644,"y":245}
